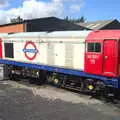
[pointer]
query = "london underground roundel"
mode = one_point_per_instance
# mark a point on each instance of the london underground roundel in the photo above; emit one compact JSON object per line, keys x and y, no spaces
{"x":30,"y":50}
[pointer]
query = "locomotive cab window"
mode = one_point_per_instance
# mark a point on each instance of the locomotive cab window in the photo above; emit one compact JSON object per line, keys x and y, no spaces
{"x":9,"y":50}
{"x":94,"y":47}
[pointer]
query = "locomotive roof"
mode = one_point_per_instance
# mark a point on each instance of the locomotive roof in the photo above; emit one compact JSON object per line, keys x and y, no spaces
{"x":68,"y":34}
{"x":51,"y":34}
{"x":104,"y":34}
{"x":27,"y":34}
{"x":3,"y":34}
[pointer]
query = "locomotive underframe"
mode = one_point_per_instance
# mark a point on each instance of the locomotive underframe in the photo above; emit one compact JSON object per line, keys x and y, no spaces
{"x":67,"y":78}
{"x":57,"y":79}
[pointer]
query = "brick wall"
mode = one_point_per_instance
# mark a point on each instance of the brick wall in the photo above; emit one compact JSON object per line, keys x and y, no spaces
{"x":12,"y":28}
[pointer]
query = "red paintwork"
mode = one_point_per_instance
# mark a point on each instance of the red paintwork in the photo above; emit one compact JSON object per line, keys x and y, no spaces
{"x":107,"y":62}
{"x":93,"y":61}
{"x":118,"y":70}
{"x":1,"y":48}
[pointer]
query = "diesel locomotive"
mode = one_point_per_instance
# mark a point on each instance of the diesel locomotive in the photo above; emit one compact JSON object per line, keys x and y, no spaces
{"x":83,"y":60}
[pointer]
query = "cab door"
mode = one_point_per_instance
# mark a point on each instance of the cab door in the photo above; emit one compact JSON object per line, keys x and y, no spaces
{"x":110,"y":57}
{"x":93,"y":57}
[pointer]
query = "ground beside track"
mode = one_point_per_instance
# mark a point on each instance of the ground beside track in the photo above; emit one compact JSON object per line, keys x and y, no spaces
{"x":20,"y":101}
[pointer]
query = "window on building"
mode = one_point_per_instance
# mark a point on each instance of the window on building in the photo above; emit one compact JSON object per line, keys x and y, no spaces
{"x":9,"y":50}
{"x":94,"y":47}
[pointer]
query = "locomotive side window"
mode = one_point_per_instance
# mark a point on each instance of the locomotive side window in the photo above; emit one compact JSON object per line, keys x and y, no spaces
{"x":90,"y":47}
{"x":94,"y":47}
{"x":8,"y":50}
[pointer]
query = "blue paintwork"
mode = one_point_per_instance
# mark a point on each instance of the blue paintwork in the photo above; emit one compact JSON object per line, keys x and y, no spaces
{"x":30,"y":50}
{"x":114,"y":82}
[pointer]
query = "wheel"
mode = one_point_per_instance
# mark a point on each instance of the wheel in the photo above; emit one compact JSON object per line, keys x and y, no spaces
{"x":89,"y":85}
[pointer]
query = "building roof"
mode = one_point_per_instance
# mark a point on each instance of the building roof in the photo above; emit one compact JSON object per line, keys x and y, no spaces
{"x":8,"y":24}
{"x":97,"y":25}
{"x":51,"y":24}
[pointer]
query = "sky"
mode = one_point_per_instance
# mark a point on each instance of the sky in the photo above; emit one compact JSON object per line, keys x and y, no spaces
{"x":92,"y":10}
